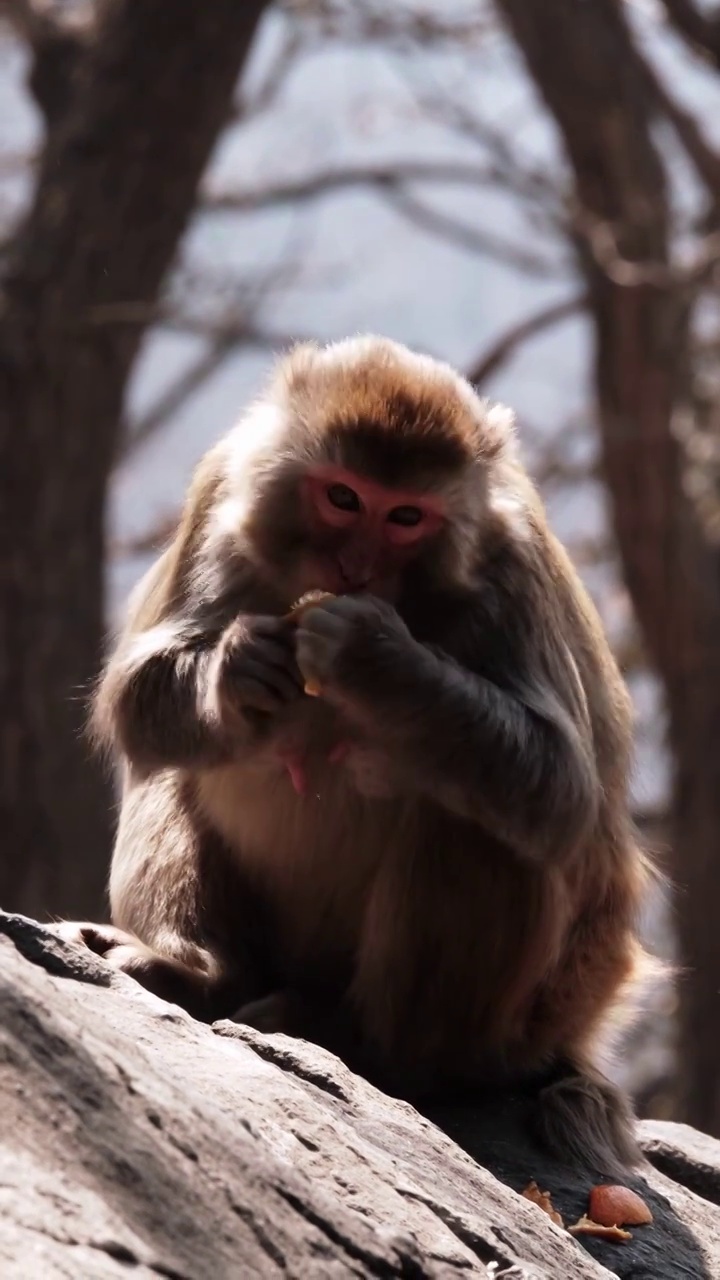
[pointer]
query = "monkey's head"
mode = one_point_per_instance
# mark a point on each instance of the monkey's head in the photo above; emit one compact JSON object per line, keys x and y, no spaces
{"x":373,"y":463}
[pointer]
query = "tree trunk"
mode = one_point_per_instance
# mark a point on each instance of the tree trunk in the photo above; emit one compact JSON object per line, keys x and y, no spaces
{"x":116,"y":187}
{"x":695,"y":734}
{"x":590,"y":77}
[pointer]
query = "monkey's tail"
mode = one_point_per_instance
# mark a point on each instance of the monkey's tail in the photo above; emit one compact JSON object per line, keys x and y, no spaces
{"x":583,"y":1118}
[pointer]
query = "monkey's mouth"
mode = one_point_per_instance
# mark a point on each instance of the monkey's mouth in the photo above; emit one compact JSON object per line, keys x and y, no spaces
{"x":325,"y":573}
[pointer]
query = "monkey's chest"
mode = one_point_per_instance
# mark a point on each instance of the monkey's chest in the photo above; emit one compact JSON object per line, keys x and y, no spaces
{"x":312,"y":854}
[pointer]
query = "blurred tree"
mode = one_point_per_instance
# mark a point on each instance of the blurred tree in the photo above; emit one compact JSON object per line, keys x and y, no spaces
{"x":133,"y":99}
{"x":659,"y":440}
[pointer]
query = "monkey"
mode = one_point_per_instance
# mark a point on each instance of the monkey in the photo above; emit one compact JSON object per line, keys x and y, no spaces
{"x":394,"y":820}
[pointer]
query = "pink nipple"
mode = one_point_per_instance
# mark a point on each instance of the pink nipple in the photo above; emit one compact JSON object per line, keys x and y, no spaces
{"x":295,"y":766}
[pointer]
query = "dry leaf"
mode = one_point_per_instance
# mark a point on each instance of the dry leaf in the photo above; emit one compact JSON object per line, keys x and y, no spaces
{"x":543,"y":1200}
{"x":586,"y":1227}
{"x":618,"y":1207}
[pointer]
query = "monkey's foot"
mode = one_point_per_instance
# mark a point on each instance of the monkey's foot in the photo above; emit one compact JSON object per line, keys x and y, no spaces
{"x":120,"y":949}
{"x":99,"y":938}
{"x":184,"y":982}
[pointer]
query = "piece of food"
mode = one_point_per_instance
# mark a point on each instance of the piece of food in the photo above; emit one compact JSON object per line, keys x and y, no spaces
{"x":311,"y":598}
{"x":618,"y":1207}
{"x":586,"y":1227}
{"x":543,"y":1200}
{"x":307,"y":601}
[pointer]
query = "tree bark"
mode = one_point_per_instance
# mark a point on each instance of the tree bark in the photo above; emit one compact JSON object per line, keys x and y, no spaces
{"x":116,"y":186}
{"x":587,"y":74}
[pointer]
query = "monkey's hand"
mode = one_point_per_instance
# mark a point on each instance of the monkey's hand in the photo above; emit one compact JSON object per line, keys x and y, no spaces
{"x":337,"y":639}
{"x":509,"y":757}
{"x":254,"y":669}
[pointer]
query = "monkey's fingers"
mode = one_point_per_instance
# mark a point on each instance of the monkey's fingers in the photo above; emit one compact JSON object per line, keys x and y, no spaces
{"x":269,"y":653}
{"x":263,"y":687}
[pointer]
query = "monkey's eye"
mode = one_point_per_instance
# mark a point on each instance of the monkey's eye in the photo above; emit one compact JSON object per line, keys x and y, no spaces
{"x":343,"y":497}
{"x":408,"y":517}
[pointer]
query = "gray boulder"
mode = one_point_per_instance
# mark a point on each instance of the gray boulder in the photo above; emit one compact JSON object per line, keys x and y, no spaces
{"x":139,"y":1143}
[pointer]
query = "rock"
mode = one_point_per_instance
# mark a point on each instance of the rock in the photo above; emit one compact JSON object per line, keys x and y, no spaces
{"x":139,"y":1142}
{"x":686,"y":1156}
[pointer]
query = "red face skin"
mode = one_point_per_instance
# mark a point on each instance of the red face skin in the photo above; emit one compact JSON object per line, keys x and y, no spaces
{"x":369,"y":544}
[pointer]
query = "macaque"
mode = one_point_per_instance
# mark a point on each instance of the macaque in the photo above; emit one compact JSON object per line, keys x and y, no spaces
{"x":393,"y":818}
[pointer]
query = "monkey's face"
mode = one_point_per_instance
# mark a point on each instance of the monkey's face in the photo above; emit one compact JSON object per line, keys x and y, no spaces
{"x":361,"y":535}
{"x":335,"y":529}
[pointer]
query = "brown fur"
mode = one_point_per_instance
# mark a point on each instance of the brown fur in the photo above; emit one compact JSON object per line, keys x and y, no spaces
{"x":467,"y":931}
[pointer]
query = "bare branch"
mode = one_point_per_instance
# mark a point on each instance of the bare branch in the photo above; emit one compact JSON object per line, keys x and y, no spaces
{"x":57,"y":44}
{"x":695,"y":266}
{"x":376,"y":21}
{"x":505,"y":347}
{"x":225,"y":341}
{"x":175,"y":397}
{"x":240,"y":333}
{"x":13,"y":163}
{"x":145,"y":543}
{"x":513,"y":171}
{"x":470,"y":238}
{"x":23,"y":16}
{"x":33,"y":18}
{"x":385,"y":176}
{"x":252,"y":103}
{"x":391,"y":181}
{"x":704,"y":158}
{"x":700,"y":30}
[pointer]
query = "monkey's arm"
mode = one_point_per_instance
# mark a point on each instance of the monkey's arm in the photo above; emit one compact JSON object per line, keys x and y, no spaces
{"x":193,"y":691}
{"x":514,"y":755}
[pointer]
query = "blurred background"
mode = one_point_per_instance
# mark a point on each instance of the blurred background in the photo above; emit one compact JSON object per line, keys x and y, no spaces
{"x":531,"y":191}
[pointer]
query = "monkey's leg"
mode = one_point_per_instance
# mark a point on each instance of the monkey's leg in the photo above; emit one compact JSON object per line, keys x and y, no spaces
{"x":581,"y":1109}
{"x":329,"y":1023}
{"x":279,"y":1012}
{"x":582,"y":1115}
{"x":186,"y":925}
